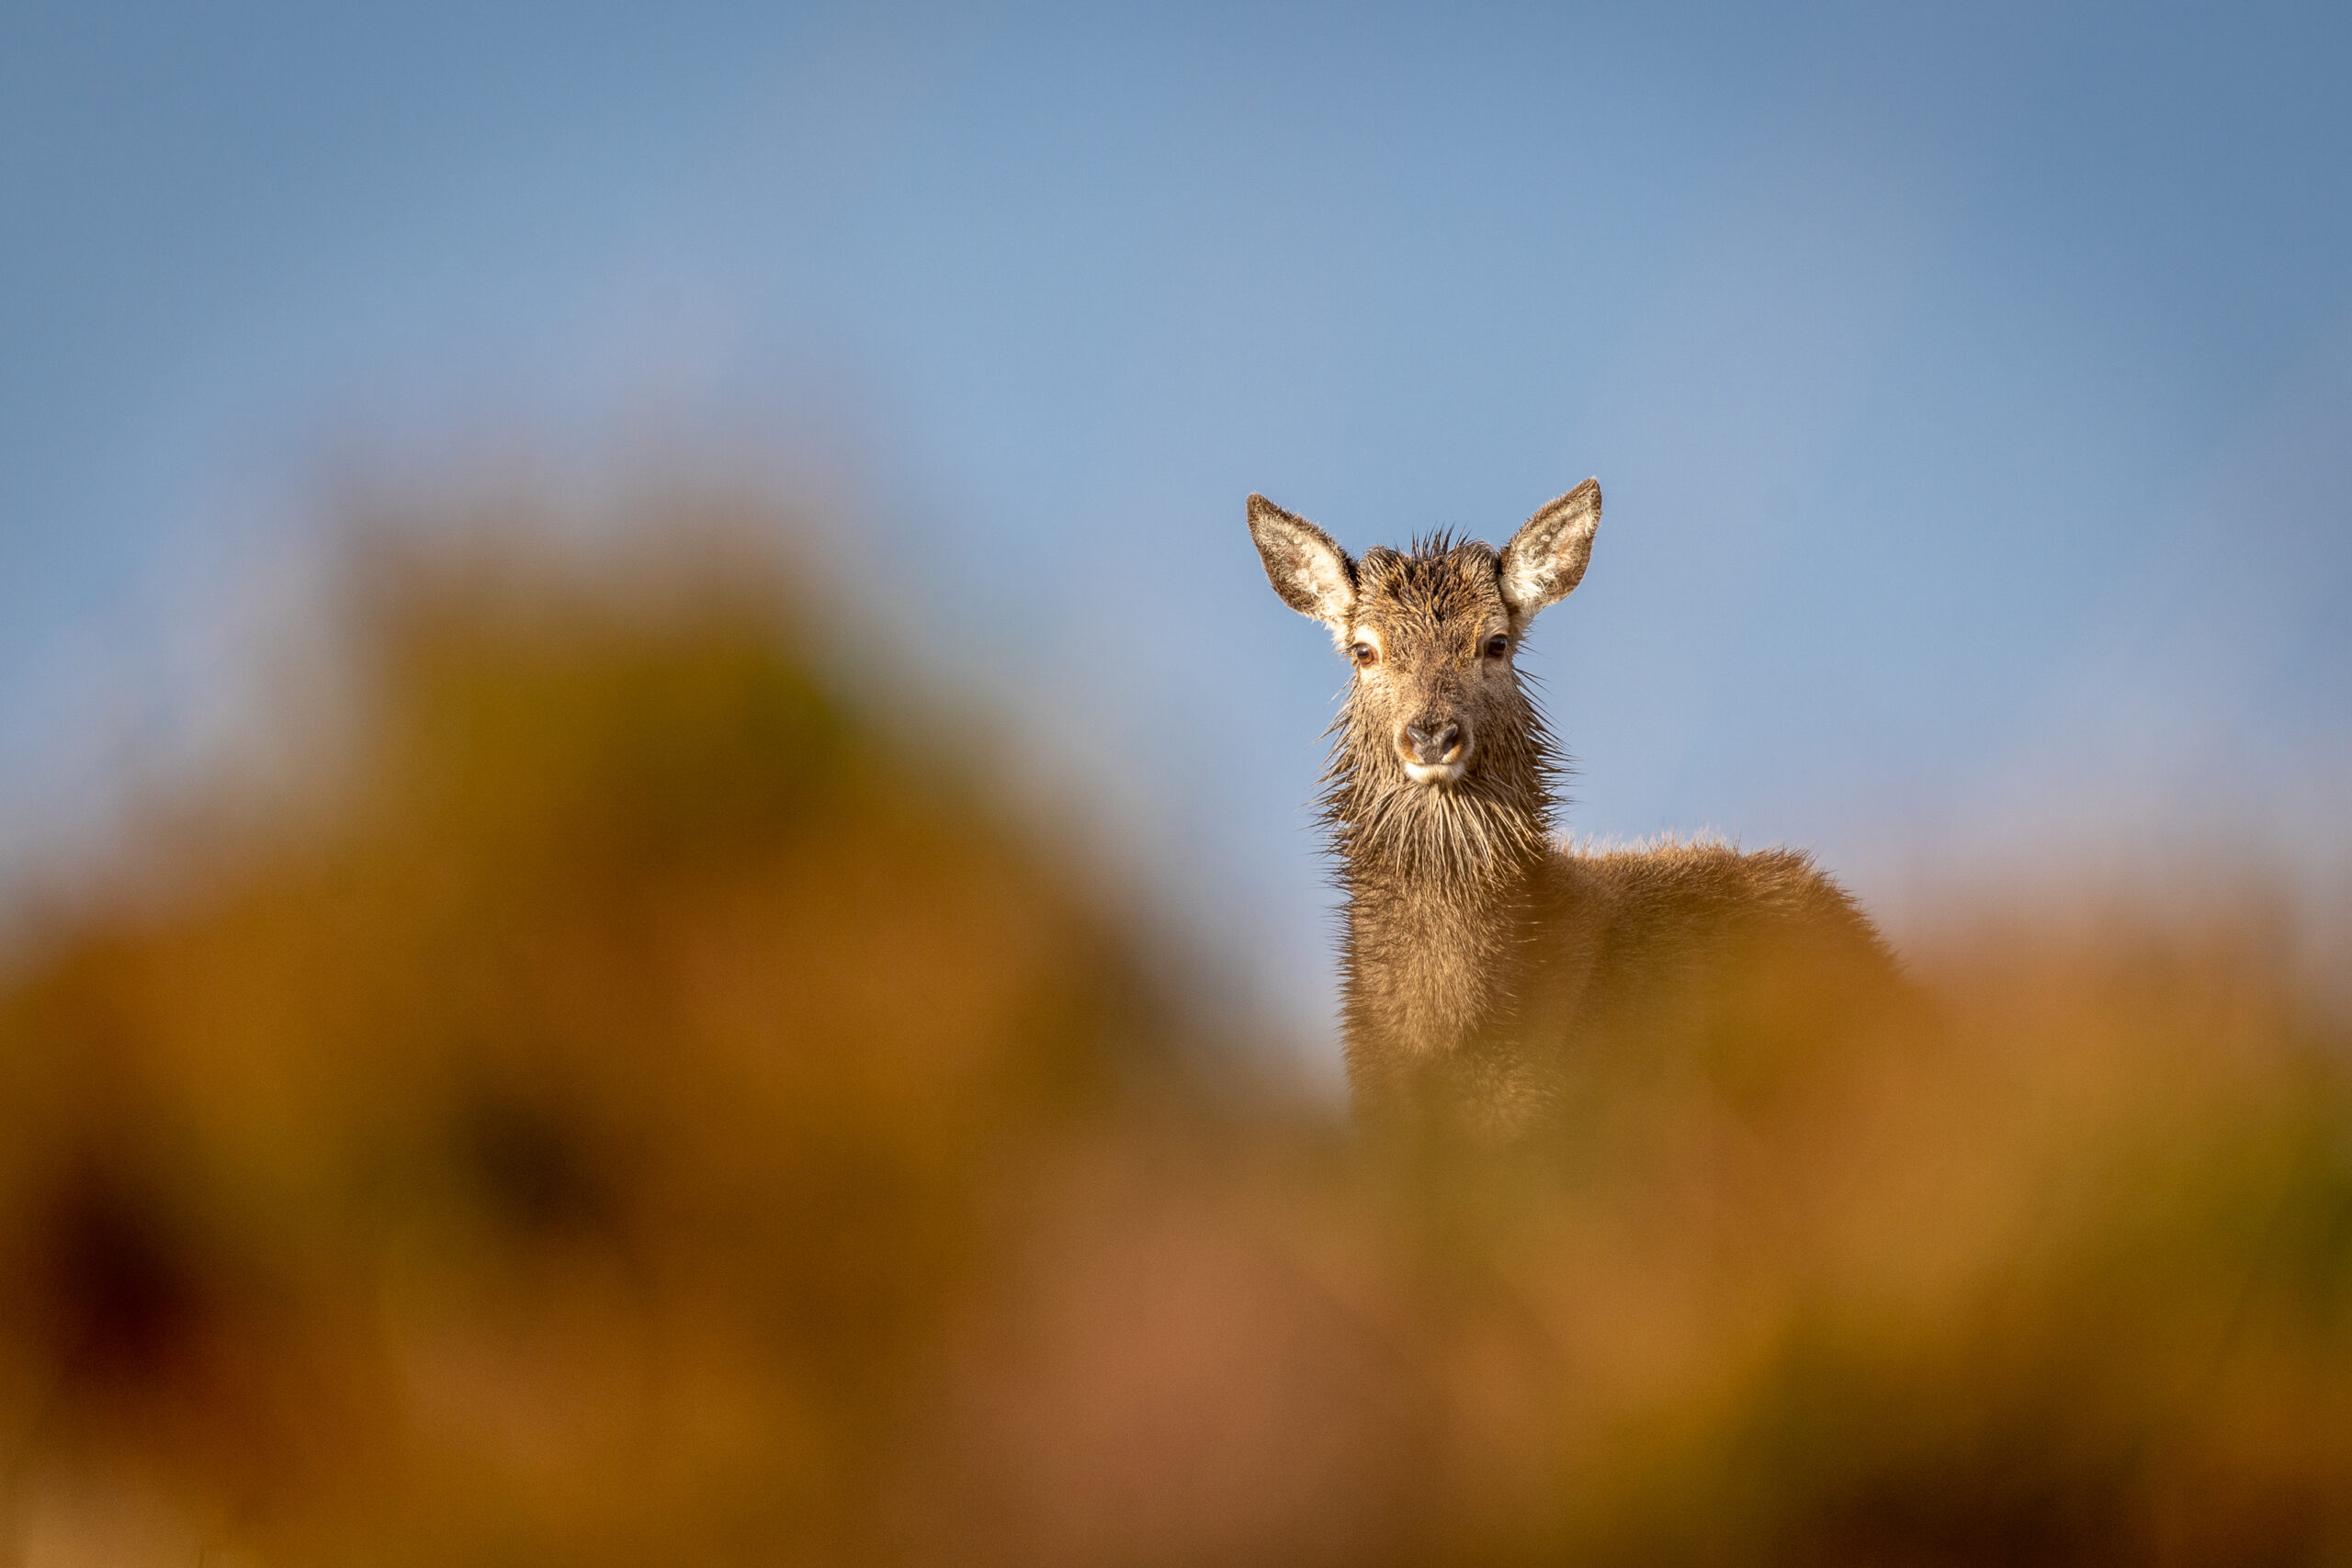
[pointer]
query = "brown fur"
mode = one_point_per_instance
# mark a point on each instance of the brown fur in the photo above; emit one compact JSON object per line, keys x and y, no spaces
{"x":1491,"y":976}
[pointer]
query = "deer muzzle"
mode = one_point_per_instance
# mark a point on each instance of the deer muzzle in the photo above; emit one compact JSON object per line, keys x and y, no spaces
{"x":1435,"y":749}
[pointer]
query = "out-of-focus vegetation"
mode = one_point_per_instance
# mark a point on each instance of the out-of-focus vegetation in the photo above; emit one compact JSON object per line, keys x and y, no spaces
{"x":644,"y":1112}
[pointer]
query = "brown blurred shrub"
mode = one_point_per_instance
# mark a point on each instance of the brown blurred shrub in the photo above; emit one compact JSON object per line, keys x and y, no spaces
{"x":649,"y":1113}
{"x":563,"y":1155}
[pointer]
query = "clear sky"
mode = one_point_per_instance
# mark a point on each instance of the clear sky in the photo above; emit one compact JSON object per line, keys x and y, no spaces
{"x":1971,"y":391}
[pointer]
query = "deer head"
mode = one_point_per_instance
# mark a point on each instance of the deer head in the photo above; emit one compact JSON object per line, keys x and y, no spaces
{"x":1432,"y":634}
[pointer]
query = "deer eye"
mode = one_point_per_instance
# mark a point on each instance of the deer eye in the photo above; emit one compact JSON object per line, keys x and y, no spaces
{"x":1364,"y":653}
{"x":1497,"y":645}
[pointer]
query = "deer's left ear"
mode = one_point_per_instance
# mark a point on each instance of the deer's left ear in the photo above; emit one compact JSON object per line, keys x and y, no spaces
{"x":1546,"y":558}
{"x":1314,"y":575}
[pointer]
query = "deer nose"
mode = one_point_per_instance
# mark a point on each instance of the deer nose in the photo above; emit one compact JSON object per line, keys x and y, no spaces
{"x":1431,"y":742}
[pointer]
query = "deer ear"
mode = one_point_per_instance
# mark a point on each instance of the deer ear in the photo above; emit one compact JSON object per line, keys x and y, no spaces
{"x":1314,"y":575}
{"x":1546,"y":557}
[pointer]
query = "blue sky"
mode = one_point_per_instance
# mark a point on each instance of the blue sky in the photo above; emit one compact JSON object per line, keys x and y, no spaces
{"x":1971,"y":391}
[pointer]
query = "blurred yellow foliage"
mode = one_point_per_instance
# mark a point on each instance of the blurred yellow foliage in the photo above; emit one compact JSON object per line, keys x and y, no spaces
{"x":653,"y":1114}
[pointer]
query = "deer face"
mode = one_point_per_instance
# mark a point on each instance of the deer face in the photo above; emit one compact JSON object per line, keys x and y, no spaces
{"x":1430,"y":639}
{"x":1432,"y":634}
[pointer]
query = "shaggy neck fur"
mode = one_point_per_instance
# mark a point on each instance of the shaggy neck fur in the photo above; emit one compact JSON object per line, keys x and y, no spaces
{"x":1438,"y":885}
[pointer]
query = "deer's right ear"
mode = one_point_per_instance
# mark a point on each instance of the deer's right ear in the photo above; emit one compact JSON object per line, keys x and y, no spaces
{"x":1314,"y":575}
{"x":1546,"y":558}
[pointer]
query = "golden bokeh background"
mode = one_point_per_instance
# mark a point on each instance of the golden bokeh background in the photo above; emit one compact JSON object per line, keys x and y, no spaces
{"x":646,"y":1104}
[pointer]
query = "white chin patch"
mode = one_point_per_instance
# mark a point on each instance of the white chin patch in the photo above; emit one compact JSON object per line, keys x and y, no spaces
{"x":1433,"y":773}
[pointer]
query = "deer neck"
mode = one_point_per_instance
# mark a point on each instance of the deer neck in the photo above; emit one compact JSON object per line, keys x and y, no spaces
{"x":1440,"y":893}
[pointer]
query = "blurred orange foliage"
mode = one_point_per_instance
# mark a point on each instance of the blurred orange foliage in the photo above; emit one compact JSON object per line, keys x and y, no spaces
{"x":655,"y":1112}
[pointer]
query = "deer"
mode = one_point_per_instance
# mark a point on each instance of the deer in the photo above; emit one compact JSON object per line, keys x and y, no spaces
{"x":1497,"y":981}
